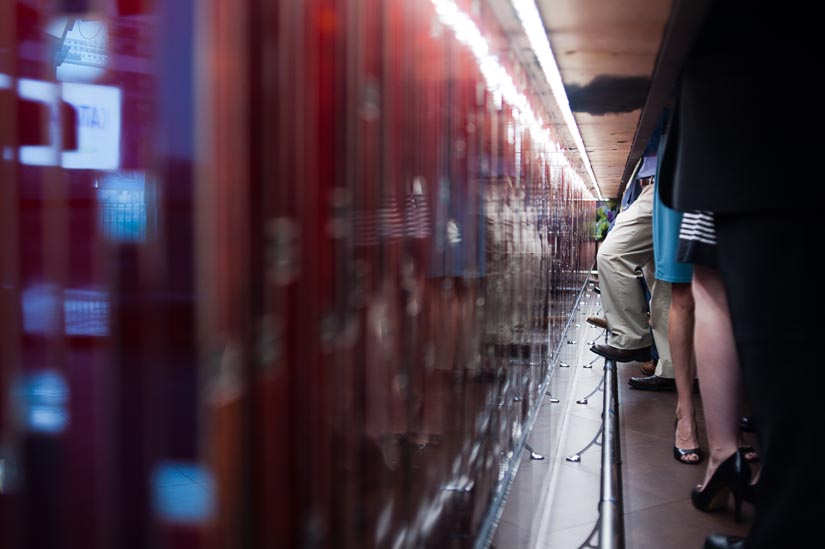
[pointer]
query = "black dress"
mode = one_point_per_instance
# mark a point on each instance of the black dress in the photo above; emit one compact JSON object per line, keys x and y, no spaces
{"x":735,"y":149}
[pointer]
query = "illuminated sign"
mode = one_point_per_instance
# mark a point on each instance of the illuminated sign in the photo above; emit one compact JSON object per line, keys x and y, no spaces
{"x":82,"y":48}
{"x":98,"y":125}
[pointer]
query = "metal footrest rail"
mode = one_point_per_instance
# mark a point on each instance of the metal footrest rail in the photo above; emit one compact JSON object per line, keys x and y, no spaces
{"x":611,"y":508}
{"x":608,"y":532}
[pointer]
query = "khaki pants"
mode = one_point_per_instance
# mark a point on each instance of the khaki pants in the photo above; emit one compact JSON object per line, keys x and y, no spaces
{"x":627,"y":246}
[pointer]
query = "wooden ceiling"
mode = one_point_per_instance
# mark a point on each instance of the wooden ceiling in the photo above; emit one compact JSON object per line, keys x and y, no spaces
{"x":616,"y":42}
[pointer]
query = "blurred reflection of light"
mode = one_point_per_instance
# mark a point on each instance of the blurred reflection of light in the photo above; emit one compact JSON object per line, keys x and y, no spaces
{"x":42,"y":398}
{"x":390,"y":225}
{"x":2,"y":476}
{"x":400,"y":539}
{"x":430,"y":514}
{"x":5,"y":81}
{"x":37,"y":90}
{"x":46,"y":387}
{"x":41,"y":309}
{"x":183,"y":493}
{"x":98,"y":125}
{"x":86,"y":311}
{"x":46,"y":420}
{"x":382,"y":525}
{"x":47,"y":93}
{"x":453,"y":233}
{"x":82,"y":56}
{"x":121,"y":196}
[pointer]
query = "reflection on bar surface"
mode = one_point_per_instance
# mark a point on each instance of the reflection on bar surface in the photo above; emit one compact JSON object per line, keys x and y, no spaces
{"x":296,"y":271}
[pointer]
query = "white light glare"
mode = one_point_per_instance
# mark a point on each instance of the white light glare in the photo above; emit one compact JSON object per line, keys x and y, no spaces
{"x":534,"y":29}
{"x":501,"y":84}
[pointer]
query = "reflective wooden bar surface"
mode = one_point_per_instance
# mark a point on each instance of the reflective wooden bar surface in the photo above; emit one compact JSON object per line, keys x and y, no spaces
{"x":274,"y":273}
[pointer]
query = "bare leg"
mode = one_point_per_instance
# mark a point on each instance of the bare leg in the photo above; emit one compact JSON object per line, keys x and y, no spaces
{"x":720,"y":377}
{"x":680,"y":336}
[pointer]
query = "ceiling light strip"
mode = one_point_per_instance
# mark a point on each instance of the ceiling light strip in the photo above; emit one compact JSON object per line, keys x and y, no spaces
{"x":499,"y":81}
{"x":531,"y":20}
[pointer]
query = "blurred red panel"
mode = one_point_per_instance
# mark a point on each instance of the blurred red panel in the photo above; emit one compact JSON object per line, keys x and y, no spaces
{"x":314,"y":303}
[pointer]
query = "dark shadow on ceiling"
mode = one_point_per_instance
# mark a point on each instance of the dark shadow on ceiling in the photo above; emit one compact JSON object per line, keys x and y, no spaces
{"x":609,"y":94}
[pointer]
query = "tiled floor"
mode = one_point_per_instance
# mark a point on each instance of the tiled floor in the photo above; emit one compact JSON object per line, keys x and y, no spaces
{"x":554,"y":503}
{"x":667,"y":519}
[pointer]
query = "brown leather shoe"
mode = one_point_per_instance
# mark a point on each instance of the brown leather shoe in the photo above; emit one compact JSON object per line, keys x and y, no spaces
{"x":622,"y":355}
{"x":597,"y":321}
{"x":648,"y":368}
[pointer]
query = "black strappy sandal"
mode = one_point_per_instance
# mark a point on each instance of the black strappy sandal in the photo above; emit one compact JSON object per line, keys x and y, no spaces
{"x":679,"y":454}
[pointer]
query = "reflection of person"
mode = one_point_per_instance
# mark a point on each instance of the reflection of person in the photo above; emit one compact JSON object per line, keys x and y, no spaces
{"x":605,"y":215}
{"x":733,"y":99}
{"x":630,"y":245}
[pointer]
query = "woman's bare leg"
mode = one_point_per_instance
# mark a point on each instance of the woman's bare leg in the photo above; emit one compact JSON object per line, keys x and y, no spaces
{"x":720,"y":377}
{"x":680,"y":336}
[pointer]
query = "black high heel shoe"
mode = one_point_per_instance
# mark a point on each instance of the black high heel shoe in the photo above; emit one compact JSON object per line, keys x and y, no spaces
{"x":732,"y":477}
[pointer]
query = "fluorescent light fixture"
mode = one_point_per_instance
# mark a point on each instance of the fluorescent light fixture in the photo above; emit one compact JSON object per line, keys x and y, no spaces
{"x":502,"y":86}
{"x":531,"y":20}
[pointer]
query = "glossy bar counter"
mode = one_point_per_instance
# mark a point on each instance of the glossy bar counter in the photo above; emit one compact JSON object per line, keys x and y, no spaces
{"x":273,"y":273}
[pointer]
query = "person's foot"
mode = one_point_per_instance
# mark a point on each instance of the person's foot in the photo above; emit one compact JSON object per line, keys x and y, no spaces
{"x":686,"y":446}
{"x":653,"y":383}
{"x":597,"y":321}
{"x":622,"y":355}
{"x":721,"y":541}
{"x":648,"y":368}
